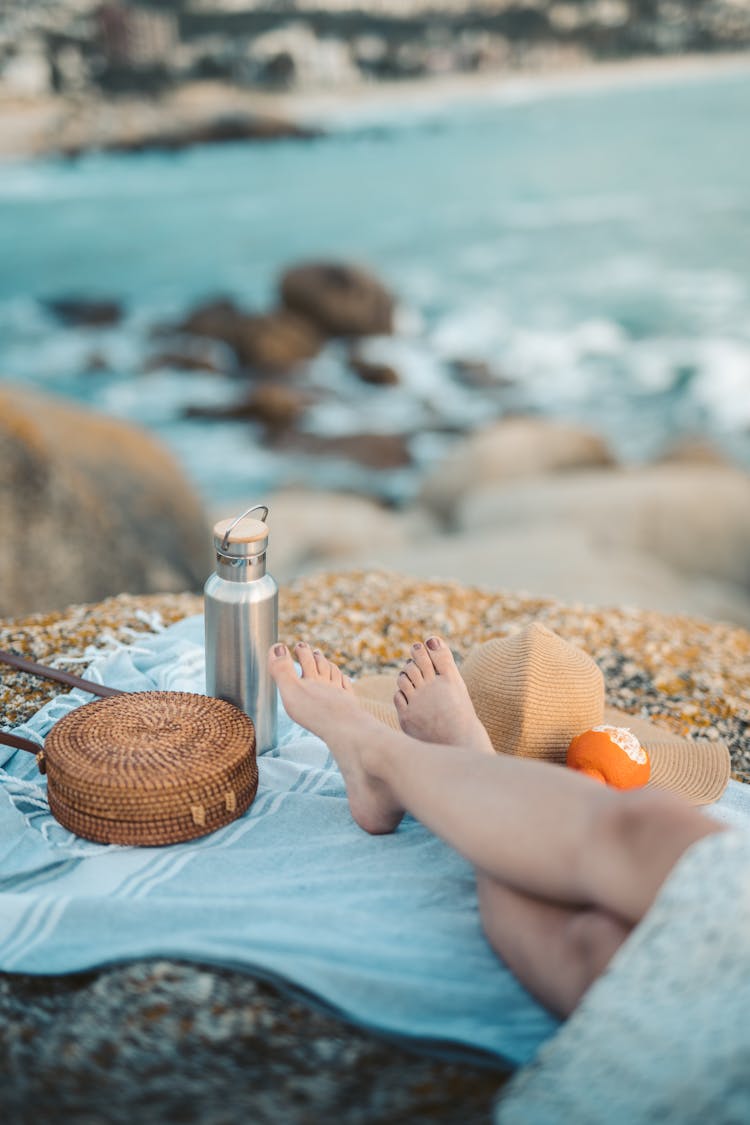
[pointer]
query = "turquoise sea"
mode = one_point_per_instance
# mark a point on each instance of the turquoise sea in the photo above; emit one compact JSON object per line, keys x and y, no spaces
{"x":592,"y":246}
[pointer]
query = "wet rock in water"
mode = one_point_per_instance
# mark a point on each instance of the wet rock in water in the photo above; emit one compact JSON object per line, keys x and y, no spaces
{"x":186,"y":360}
{"x":218,"y":319}
{"x":478,"y":374}
{"x":242,"y":127}
{"x":89,"y":507}
{"x":508,"y":450}
{"x":84,"y":312}
{"x":276,"y":407}
{"x":375,"y":374}
{"x":275,"y":341}
{"x":341,"y":299}
{"x":95,"y":362}
{"x":374,"y":451}
{"x":217,"y":130}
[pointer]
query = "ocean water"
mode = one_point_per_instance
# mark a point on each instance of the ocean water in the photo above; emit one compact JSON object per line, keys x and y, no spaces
{"x":593,"y":248}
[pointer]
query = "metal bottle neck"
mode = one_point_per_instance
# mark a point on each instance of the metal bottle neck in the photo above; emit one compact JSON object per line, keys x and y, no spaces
{"x":246,"y":569}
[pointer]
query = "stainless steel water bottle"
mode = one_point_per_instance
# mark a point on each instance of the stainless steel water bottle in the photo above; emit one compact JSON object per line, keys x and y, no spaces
{"x":241,"y":615}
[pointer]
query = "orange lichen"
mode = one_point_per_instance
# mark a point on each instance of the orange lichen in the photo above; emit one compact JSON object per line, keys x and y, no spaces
{"x":690,"y":676}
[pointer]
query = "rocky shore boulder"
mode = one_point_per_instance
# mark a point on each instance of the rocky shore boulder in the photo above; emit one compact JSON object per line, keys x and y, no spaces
{"x":695,"y":518}
{"x":139,"y":133}
{"x":509,"y":450}
{"x":318,"y":301}
{"x":85,"y":312}
{"x":276,"y":341}
{"x":277,"y":407}
{"x":374,"y":374}
{"x":217,"y":319}
{"x":89,"y":507}
{"x":340,"y":299}
{"x":271,"y":342}
{"x":185,"y":359}
{"x":311,"y":529}
{"x":373,"y":451}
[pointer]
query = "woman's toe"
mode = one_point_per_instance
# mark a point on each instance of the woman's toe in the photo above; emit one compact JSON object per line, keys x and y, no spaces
{"x":413,"y":674}
{"x":405,"y":685}
{"x":306,"y":660}
{"x":281,"y":664}
{"x":441,"y":656}
{"x":400,"y":702}
{"x":337,"y":678}
{"x":421,"y":658}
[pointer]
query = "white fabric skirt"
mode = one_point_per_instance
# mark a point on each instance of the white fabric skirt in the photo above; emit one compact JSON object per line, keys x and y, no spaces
{"x":664,"y":1034}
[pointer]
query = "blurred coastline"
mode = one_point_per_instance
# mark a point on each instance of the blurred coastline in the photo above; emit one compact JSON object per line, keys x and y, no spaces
{"x":482,"y":301}
{"x":83,"y":74}
{"x":38,"y":125}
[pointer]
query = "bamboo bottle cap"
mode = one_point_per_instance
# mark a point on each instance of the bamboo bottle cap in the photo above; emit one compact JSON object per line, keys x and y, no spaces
{"x":242,"y":536}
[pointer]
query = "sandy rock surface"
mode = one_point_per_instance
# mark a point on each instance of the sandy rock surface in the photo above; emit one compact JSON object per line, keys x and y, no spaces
{"x":538,"y":505}
{"x":694,"y":518}
{"x":560,"y":560}
{"x":162,"y":1041}
{"x":324,"y":529}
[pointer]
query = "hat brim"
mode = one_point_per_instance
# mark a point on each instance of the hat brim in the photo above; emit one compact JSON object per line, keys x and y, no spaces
{"x":696,"y":769}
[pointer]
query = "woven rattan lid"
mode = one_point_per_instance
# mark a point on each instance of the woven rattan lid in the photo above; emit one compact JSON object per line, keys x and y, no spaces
{"x":151,"y":767}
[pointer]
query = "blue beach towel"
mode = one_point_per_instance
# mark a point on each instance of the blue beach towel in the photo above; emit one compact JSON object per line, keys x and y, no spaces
{"x":384,"y":929}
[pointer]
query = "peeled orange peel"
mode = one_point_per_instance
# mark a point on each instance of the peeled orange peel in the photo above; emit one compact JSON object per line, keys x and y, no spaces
{"x":611,"y":755}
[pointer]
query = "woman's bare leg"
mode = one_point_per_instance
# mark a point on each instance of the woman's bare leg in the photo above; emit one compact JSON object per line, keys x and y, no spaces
{"x":555,"y":950}
{"x":541,"y":829}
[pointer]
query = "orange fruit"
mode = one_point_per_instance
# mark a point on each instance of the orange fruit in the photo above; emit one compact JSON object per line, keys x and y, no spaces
{"x":612,"y":755}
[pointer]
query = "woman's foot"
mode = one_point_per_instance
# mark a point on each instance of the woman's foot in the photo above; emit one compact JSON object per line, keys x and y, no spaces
{"x":322,"y":701}
{"x":433,"y":702}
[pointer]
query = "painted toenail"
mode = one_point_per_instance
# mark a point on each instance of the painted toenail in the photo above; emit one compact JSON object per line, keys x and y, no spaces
{"x":432,"y":643}
{"x":317,"y":652}
{"x":416,"y":645}
{"x":300,"y":644}
{"x":279,"y":650}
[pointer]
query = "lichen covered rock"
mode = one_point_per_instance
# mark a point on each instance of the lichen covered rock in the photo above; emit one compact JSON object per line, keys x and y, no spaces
{"x":162,"y":1041}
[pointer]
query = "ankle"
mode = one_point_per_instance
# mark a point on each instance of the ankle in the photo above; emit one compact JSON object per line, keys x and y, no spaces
{"x":377,"y":755}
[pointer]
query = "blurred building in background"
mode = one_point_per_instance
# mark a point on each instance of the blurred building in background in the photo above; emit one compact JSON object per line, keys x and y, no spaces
{"x":136,"y":36}
{"x":67,"y":45}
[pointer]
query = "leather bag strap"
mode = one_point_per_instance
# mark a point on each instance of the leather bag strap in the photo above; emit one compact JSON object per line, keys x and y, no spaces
{"x":60,"y":677}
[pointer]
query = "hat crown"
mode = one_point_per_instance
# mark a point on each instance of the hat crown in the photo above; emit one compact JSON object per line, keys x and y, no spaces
{"x":534,"y":691}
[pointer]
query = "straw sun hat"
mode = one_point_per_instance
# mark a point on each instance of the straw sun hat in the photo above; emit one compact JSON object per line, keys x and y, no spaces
{"x":534,"y":692}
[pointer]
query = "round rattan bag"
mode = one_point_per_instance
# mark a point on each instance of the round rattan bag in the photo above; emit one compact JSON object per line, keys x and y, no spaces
{"x":152,"y":767}
{"x":149,"y":767}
